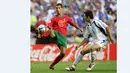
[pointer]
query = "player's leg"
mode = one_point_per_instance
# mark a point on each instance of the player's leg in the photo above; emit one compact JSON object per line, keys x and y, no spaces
{"x":78,"y":58}
{"x":99,"y":45}
{"x":92,"y":61}
{"x":93,"y":56}
{"x":86,"y":50}
{"x":81,"y":54}
{"x":62,"y":44}
{"x":58,"y":58}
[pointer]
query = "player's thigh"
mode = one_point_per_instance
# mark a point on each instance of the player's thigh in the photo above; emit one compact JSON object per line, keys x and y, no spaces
{"x":95,"y":47}
{"x":86,"y":49}
{"x":62,"y":49}
{"x":102,"y":44}
{"x":61,"y":41}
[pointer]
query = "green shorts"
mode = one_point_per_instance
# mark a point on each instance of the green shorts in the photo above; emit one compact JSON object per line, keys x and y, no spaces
{"x":61,"y":40}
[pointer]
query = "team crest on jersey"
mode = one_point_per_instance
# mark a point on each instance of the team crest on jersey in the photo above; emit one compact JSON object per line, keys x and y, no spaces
{"x":61,"y":23}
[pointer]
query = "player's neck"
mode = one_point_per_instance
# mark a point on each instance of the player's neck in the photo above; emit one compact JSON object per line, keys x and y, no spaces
{"x":60,"y":15}
{"x":91,"y":21}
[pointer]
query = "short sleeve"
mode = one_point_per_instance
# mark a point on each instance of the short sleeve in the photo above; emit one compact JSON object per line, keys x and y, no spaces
{"x":70,"y":21}
{"x":102,"y":23}
{"x":50,"y":23}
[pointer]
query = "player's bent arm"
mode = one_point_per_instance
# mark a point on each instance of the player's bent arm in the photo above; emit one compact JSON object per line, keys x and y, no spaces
{"x":85,"y":40}
{"x":110,"y":35}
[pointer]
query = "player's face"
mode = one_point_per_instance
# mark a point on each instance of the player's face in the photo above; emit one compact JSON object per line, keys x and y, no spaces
{"x":59,"y":9}
{"x":87,"y":19}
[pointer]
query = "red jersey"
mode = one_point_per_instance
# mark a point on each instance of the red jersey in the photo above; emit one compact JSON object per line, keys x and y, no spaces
{"x":45,"y":34}
{"x":60,"y":24}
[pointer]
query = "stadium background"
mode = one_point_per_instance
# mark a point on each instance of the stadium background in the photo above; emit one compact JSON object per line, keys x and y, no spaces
{"x":42,"y":51}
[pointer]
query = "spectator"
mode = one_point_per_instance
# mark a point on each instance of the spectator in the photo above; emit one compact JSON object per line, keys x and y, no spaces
{"x":33,"y":21}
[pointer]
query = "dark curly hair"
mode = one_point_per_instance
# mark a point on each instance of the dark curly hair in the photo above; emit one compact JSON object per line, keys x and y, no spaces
{"x":89,"y":13}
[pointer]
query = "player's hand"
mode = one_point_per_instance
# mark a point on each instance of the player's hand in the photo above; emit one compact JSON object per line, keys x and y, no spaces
{"x":52,"y":34}
{"x":113,"y":41}
{"x":76,"y":47}
{"x":81,"y":30}
{"x":40,"y":32}
{"x":39,"y":36}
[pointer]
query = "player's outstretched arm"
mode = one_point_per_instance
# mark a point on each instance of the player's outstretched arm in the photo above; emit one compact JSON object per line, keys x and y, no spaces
{"x":77,"y":27}
{"x":71,"y":22}
{"x":85,"y":40}
{"x":110,"y":35}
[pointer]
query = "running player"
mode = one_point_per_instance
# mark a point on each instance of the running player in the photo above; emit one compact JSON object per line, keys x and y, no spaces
{"x":100,"y":34}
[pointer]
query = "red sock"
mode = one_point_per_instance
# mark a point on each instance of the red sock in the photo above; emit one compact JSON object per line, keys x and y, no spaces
{"x":57,"y":59}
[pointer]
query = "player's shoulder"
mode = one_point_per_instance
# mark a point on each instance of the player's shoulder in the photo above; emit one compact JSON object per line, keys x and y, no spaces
{"x":97,"y":21}
{"x":66,"y":16}
{"x":54,"y":17}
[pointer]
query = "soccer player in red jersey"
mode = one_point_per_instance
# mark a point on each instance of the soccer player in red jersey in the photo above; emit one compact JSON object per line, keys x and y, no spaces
{"x":58,"y":28}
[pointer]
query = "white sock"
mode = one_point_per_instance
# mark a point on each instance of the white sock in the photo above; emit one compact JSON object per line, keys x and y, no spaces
{"x":78,"y":59}
{"x":93,"y":56}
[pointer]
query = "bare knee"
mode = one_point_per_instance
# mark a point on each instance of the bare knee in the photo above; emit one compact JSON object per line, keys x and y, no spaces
{"x":96,"y":47}
{"x":62,"y":51}
{"x":83,"y":52}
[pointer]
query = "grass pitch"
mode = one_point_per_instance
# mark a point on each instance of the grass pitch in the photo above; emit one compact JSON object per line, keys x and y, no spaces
{"x":101,"y":67}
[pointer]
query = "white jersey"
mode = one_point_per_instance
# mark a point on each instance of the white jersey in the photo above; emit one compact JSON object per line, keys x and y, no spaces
{"x":96,"y":30}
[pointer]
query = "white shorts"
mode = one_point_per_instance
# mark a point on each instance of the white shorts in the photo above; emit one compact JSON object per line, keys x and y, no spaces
{"x":101,"y":43}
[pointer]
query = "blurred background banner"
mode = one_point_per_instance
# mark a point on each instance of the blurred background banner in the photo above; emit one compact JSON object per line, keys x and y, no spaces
{"x":48,"y":52}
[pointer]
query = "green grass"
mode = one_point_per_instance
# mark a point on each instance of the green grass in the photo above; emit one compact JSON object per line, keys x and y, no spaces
{"x":101,"y":67}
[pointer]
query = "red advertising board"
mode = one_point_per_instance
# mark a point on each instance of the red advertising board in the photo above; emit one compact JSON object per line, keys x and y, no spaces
{"x":48,"y":52}
{"x":113,"y":51}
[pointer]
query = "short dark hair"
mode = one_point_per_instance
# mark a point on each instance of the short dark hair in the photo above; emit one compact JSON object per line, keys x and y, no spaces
{"x":89,"y":13}
{"x":59,"y":4}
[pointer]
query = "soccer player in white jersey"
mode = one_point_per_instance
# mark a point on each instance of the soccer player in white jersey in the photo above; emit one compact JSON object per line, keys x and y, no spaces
{"x":100,"y":36}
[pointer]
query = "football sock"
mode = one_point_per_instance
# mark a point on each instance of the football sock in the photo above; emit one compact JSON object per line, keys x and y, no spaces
{"x":78,"y":59}
{"x":93,"y":56}
{"x":57,"y":59}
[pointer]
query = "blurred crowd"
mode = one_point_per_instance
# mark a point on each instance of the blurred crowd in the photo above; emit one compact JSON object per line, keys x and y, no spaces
{"x":44,"y":10}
